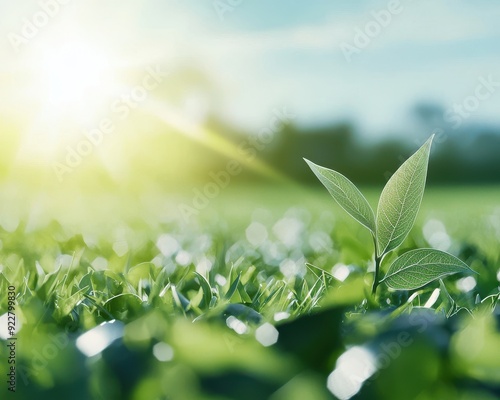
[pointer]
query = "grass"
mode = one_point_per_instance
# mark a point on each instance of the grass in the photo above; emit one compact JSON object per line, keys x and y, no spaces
{"x":197,"y":304}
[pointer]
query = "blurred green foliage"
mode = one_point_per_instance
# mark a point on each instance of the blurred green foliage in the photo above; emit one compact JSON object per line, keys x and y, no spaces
{"x":198,"y":306}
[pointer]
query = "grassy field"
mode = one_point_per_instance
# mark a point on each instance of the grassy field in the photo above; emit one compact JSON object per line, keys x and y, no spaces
{"x":261,"y":293}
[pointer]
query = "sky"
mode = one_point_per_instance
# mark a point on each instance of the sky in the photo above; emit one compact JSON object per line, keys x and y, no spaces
{"x":257,"y":55}
{"x":290,"y":53}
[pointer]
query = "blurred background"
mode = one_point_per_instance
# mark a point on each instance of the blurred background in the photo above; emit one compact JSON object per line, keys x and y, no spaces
{"x":160,"y":95}
{"x":148,"y":145}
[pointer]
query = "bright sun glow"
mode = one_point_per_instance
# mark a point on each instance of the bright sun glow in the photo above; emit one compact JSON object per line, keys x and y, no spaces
{"x":73,"y":79}
{"x":72,"y":84}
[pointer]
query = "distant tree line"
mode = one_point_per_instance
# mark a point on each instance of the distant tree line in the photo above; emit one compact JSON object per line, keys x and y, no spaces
{"x":470,"y":155}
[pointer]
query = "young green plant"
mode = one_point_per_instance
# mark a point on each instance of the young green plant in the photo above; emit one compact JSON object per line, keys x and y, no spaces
{"x":396,"y":213}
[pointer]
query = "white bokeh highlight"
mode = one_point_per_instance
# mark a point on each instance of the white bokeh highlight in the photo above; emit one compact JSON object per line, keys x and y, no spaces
{"x":266,"y":334}
{"x":99,"y":338}
{"x":353,"y":367}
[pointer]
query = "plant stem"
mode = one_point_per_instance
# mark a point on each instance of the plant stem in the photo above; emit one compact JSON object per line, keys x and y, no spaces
{"x":377,"y":266}
{"x":375,"y":278}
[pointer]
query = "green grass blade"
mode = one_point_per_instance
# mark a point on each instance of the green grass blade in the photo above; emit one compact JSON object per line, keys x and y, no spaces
{"x":207,"y":290}
{"x":232,"y":288}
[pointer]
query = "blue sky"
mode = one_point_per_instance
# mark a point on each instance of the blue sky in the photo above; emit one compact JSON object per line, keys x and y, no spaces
{"x":290,"y":52}
{"x":266,"y":54}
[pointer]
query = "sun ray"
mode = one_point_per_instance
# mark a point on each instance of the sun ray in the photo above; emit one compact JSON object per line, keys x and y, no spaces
{"x":211,"y":139}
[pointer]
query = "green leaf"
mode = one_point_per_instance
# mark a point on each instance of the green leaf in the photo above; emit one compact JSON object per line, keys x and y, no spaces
{"x":346,"y":194}
{"x":400,"y":200}
{"x":67,"y":305}
{"x":125,"y":305}
{"x":142,"y":271}
{"x":417,"y":268}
